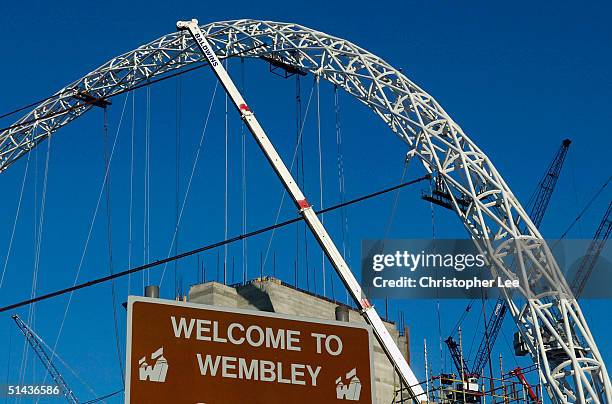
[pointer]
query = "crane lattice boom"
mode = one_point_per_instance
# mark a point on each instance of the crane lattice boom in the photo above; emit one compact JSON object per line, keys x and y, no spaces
{"x":38,"y":347}
{"x":537,"y":205}
{"x":590,"y":259}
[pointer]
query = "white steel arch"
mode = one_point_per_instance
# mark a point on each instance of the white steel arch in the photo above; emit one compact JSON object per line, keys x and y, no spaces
{"x":548,"y":318}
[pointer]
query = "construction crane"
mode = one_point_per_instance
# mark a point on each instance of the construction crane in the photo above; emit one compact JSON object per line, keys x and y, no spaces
{"x":318,"y":230}
{"x":537,"y":205}
{"x":590,"y":259}
{"x":519,"y":373}
{"x":37,"y":345}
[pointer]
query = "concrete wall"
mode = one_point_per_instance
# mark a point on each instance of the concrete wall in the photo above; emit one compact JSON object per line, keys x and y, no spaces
{"x":272,"y":296}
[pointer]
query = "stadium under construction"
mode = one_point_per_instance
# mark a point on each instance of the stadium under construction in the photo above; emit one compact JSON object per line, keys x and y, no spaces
{"x":303,"y":329}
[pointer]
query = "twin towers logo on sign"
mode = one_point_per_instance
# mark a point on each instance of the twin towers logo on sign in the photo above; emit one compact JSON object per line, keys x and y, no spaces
{"x":350,"y":391}
{"x":153,"y":373}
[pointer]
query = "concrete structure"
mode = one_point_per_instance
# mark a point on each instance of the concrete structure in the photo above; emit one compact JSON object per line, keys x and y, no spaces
{"x":271,"y":295}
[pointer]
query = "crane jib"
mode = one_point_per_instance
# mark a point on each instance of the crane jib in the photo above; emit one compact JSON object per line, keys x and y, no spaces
{"x":320,"y":233}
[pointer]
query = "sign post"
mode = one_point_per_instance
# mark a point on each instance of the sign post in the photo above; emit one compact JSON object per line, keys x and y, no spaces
{"x":181,"y":352}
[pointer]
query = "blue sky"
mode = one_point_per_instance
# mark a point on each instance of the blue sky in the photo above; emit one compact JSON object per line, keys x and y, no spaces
{"x":517,"y":79}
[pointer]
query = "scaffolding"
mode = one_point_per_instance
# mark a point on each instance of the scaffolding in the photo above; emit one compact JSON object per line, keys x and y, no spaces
{"x":449,"y":388}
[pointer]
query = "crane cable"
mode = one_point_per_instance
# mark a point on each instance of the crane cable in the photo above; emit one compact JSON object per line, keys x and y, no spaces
{"x":64,"y":363}
{"x":586,"y":207}
{"x":189,"y":253}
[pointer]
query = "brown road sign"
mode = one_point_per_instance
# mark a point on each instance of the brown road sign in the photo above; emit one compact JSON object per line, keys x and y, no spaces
{"x":191,"y":353}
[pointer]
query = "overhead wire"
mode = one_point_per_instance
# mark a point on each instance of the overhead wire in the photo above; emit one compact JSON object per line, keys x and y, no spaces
{"x":208,"y":247}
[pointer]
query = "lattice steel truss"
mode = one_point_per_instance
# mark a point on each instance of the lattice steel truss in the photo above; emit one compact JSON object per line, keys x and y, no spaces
{"x":549,"y":319}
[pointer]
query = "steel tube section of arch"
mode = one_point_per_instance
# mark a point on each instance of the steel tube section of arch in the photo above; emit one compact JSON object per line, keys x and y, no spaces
{"x":548,"y":317}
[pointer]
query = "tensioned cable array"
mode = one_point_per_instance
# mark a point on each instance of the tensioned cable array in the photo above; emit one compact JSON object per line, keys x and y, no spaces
{"x":191,"y":176}
{"x":204,"y":248}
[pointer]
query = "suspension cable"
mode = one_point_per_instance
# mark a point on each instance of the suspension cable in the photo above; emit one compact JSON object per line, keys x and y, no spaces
{"x":189,"y":253}
{"x":147,"y":165}
{"x":245,"y":262}
{"x":193,"y":169}
{"x":177,"y":158}
{"x":299,"y":144}
{"x":90,"y":231}
{"x":10,"y":246}
{"x":226,"y":196}
{"x":38,"y":243}
{"x":131,"y":204}
{"x":282,"y":200}
{"x":320,"y":174}
{"x":109,"y":234}
{"x":301,"y":165}
{"x":346,"y":252}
